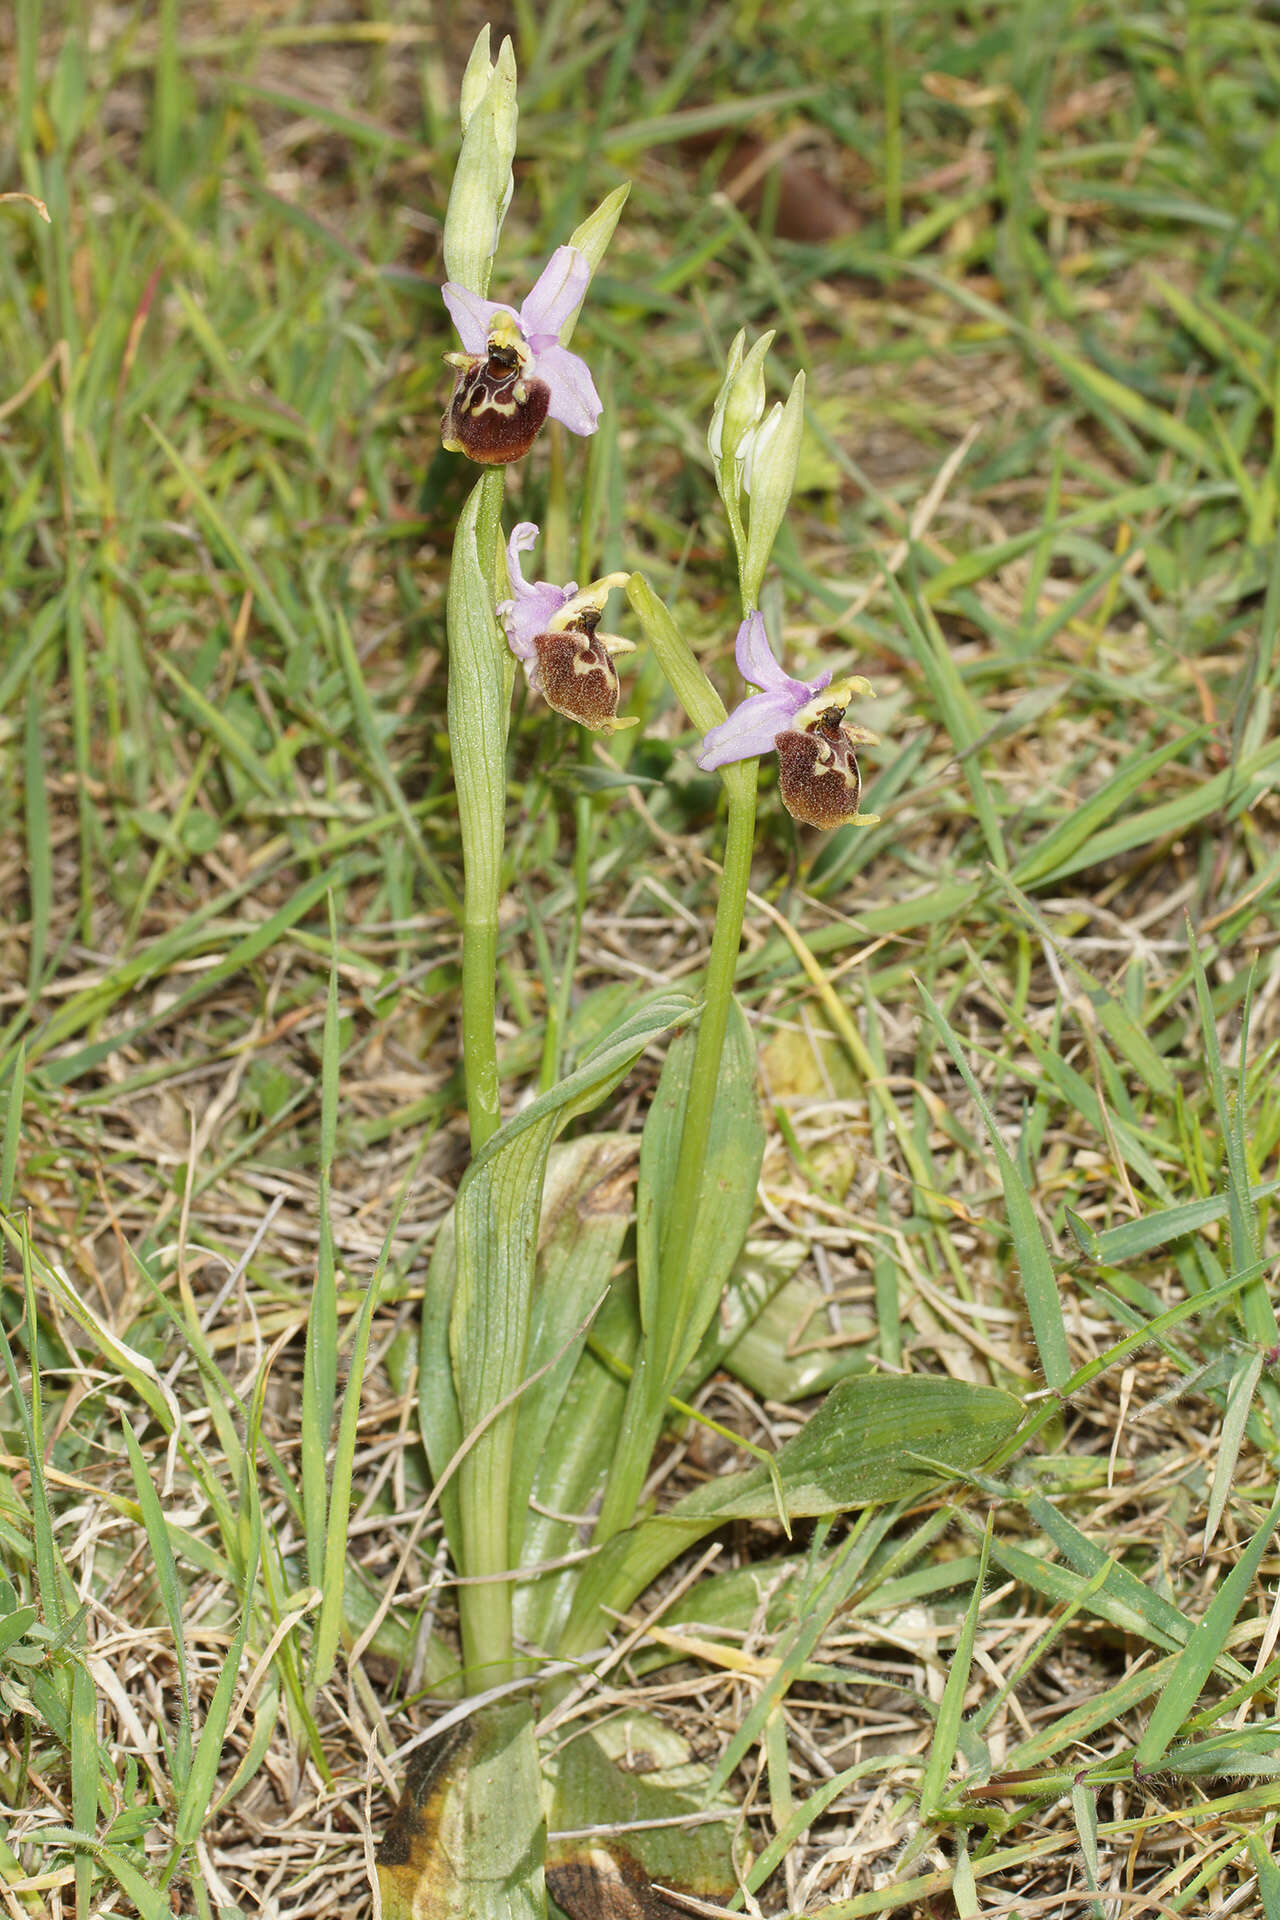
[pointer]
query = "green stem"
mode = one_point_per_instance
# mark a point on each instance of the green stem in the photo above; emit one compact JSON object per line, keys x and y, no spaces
{"x":651,"y":1383}
{"x":481,"y":673}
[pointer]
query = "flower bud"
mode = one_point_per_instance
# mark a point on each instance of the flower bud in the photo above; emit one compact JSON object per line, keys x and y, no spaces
{"x":482,"y":181}
{"x":715,"y":430}
{"x":476,"y":77}
{"x":739,"y":403}
{"x":771,"y":457}
{"x":745,"y":401}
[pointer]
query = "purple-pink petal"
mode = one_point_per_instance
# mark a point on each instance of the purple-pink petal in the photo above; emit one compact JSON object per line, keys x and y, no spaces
{"x":472,"y":316}
{"x":753,"y":726}
{"x":574,"y":400}
{"x":554,"y":297}
{"x":755,"y":657}
{"x":534,"y":602}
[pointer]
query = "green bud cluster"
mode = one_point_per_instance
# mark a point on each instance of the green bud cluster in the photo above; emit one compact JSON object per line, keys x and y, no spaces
{"x":755,"y":457}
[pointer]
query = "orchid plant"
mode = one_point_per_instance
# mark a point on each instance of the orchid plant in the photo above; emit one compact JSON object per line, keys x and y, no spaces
{"x":548,"y":1365}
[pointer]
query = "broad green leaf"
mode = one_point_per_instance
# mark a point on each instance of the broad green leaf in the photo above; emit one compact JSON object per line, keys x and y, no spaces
{"x":467,"y":1839}
{"x":682,"y":1275}
{"x":572,"y":1474}
{"x":675,"y":1309}
{"x":784,"y":1354}
{"x":1039,"y":1282}
{"x":593,"y":1782}
{"x":853,"y":1452}
{"x":496,"y":1223}
{"x":1203,"y":1649}
{"x":762,"y":1270}
{"x":439,"y":1421}
{"x":585,"y":1213}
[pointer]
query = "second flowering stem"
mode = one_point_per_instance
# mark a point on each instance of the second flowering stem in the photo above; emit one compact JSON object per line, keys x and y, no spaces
{"x":663,"y":1351}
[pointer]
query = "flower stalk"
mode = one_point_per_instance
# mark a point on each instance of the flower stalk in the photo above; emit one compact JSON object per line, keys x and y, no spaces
{"x":659,"y":1358}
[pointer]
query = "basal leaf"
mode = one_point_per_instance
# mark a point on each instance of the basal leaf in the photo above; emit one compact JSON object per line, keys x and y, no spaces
{"x":467,"y":1839}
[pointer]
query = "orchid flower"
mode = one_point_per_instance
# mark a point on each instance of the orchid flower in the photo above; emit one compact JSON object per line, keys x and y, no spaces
{"x":513,"y":373}
{"x":552,"y":632}
{"x":803,"y":721}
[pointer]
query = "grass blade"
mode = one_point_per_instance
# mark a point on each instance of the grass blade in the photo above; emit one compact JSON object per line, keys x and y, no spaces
{"x":1203,"y":1649}
{"x":1039,"y":1282}
{"x":951,"y":1710}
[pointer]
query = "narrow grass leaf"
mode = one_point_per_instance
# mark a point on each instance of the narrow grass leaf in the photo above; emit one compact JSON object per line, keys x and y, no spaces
{"x":84,"y":1773}
{"x":39,"y":843}
{"x":12,"y":1129}
{"x":197,"y":1795}
{"x":1168,"y":1624}
{"x":1234,"y":789}
{"x":1235,"y":1418}
{"x":334,"y":1567}
{"x":1256,"y":1310}
{"x":960,"y":714}
{"x":1049,"y":856}
{"x":1203,"y":1649}
{"x":1268,"y":1872}
{"x":167,"y":1580}
{"x":1128,"y":1034}
{"x":1134,"y":1238}
{"x":320,"y":1358}
{"x":1039,"y":1282}
{"x":946,"y":1732}
{"x":371,"y":739}
{"x":1084,"y":1808}
{"x":229,"y":539}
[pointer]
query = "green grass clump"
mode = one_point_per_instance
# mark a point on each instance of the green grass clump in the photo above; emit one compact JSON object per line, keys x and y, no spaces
{"x":1018,"y":1041}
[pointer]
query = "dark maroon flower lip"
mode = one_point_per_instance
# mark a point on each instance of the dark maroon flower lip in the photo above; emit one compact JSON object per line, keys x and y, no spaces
{"x":573,"y":670}
{"x":555,"y":632}
{"x":818,"y":775}
{"x":497,"y":408}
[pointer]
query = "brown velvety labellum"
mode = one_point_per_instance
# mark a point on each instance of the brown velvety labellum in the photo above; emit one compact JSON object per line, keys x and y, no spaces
{"x":496,"y":410}
{"x":818,"y":775}
{"x":576,"y":676}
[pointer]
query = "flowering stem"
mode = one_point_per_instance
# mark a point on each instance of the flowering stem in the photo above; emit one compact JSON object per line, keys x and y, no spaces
{"x":481,"y":673}
{"x":653,"y":1380}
